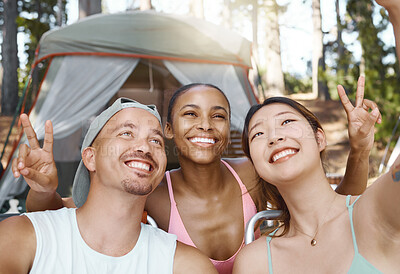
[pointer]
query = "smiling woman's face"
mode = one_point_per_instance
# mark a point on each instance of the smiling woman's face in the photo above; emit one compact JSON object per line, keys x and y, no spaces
{"x":282,"y":144}
{"x":200,"y":124}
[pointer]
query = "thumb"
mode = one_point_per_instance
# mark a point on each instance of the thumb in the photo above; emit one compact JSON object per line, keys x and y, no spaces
{"x":34,"y":178}
{"x":370,"y":122}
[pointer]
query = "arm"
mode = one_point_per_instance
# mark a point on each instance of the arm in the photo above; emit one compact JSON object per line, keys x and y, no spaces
{"x":361,"y":136}
{"x":17,"y":245}
{"x":355,"y":179}
{"x":188,"y":259}
{"x":382,"y":201}
{"x":393,"y":8}
{"x":37,"y":166}
{"x":38,"y":201}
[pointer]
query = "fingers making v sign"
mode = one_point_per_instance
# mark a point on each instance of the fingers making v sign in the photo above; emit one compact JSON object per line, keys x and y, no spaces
{"x":34,"y":163}
{"x":361,"y":120}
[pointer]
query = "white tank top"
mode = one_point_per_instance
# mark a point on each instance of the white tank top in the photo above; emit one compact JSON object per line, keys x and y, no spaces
{"x":61,"y":249}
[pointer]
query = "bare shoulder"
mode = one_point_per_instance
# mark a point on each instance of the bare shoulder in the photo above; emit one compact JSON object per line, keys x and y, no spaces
{"x":190,"y":260}
{"x":17,"y":245}
{"x":252,"y":258}
{"x":244,"y":168}
{"x":158,"y":205}
{"x":12,"y":228}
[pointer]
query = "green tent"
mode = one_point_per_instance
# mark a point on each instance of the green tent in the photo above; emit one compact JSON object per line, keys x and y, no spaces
{"x":80,"y":68}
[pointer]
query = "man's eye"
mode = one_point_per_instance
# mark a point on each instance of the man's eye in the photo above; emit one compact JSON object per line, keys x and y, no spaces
{"x":126,"y":133}
{"x":158,"y":142}
{"x":219,"y":116}
{"x":189,"y":114}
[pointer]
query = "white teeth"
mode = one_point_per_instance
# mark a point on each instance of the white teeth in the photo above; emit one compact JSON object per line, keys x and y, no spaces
{"x":139,"y":165}
{"x":202,"y":140}
{"x":283,"y":154}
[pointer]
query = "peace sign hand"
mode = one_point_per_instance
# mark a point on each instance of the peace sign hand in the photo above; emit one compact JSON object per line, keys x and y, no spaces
{"x":361,"y":121}
{"x":34,"y":163}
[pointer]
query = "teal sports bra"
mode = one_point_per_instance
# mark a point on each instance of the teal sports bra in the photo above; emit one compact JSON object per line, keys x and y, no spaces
{"x":359,"y":264}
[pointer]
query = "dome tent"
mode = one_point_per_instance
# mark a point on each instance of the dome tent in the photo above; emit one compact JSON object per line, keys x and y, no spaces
{"x":142,"y":55}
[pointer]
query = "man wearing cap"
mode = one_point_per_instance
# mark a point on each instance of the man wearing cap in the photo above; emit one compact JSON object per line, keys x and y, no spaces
{"x":123,"y":160}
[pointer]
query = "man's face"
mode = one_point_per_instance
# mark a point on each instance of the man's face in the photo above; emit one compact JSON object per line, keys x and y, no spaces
{"x":129,"y":152}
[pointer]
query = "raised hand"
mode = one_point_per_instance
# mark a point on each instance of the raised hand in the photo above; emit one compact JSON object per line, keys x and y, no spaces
{"x":36,"y":164}
{"x":361,"y":121}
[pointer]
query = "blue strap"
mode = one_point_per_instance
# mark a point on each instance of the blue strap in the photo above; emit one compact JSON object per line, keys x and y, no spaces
{"x":269,"y":238}
{"x":350,"y":208}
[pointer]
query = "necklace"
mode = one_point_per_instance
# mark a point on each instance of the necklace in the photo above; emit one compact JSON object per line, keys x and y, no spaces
{"x":313,"y":238}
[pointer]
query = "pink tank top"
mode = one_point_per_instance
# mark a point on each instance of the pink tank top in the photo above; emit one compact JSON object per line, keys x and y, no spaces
{"x":177,"y":227}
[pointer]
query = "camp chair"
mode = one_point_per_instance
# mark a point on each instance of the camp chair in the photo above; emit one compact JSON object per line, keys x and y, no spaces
{"x":262,"y":215}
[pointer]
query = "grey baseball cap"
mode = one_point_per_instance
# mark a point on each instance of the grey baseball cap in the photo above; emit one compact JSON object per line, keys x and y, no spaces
{"x":81,"y":185}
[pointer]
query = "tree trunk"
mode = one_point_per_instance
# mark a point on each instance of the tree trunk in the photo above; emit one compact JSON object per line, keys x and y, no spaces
{"x":89,"y":7}
{"x":38,"y":9}
{"x":9,"y":88}
{"x":339,"y":41}
{"x":254,"y":17}
{"x":59,"y":13}
{"x":318,"y":87}
{"x":197,"y":8}
{"x":275,"y":84}
{"x":226,"y":14}
{"x":322,"y":84}
{"x":145,"y":5}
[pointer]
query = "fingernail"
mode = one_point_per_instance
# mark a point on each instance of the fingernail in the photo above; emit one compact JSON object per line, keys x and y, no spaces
{"x":16,"y":174}
{"x":20,"y":165}
{"x":24,"y":171}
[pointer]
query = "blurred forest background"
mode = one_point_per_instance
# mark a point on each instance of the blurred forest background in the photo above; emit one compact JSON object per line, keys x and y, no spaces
{"x":353,"y":42}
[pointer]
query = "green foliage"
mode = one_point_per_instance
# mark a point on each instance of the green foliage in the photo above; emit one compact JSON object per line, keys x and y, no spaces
{"x":295,"y":84}
{"x":36,"y":17}
{"x":34,"y":28}
{"x":382,"y":78}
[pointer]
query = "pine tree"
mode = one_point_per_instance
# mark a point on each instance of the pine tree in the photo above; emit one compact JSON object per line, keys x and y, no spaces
{"x":10,"y":63}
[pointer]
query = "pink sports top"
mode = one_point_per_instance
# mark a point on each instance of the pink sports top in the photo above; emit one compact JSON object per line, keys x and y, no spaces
{"x":177,"y":227}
